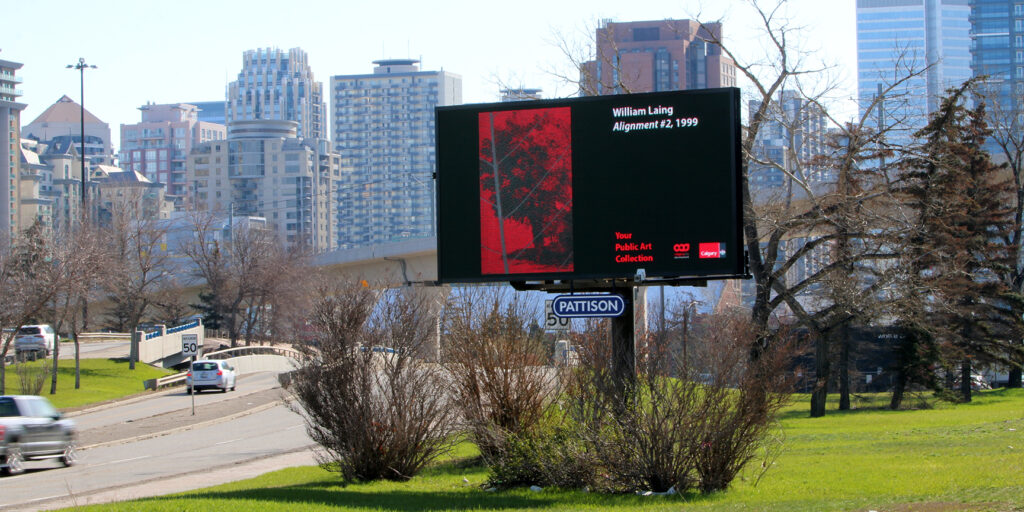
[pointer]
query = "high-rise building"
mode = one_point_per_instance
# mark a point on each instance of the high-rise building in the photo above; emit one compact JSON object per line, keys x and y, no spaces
{"x":278,"y":85}
{"x":383,"y":128}
{"x":158,"y":147}
{"x":896,"y":37}
{"x":263,"y":169}
{"x":10,"y":123}
{"x":61,"y":124}
{"x":791,"y":135}
{"x":997,"y":28}
{"x":210,"y":111}
{"x":661,"y":55}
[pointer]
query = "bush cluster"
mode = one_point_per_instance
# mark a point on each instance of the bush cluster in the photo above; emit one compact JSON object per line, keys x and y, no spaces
{"x":379,"y":407}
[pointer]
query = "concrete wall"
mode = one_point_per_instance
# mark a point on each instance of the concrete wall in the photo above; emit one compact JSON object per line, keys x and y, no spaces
{"x":166,"y":349}
{"x":262,"y":363}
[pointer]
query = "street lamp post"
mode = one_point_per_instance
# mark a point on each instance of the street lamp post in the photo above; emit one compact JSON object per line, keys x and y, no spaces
{"x":81,"y":66}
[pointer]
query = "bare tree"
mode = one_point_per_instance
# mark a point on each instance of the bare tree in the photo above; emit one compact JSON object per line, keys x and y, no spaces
{"x":84,"y":250}
{"x":139,"y":263}
{"x":32,"y":276}
{"x":235,"y":266}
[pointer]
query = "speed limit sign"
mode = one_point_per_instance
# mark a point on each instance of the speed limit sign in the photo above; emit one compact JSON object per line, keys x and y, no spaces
{"x":552,"y":322}
{"x":189,"y":344}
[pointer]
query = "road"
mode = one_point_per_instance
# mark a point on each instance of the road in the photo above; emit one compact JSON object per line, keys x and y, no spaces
{"x":157,"y":446}
{"x":103,"y":349}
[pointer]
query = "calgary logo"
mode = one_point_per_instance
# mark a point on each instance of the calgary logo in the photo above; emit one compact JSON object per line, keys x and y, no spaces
{"x":711,"y":250}
{"x":682,"y":251}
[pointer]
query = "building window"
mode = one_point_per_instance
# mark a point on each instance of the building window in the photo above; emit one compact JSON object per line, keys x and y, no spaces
{"x":1018,"y":9}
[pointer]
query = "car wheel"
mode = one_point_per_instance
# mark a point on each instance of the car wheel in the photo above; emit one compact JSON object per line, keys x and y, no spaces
{"x":224,"y":389}
{"x":15,"y":462}
{"x":70,"y":455}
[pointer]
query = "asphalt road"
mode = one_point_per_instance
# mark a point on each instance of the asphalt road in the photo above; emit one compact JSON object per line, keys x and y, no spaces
{"x":155,"y":446}
{"x":98,"y":350}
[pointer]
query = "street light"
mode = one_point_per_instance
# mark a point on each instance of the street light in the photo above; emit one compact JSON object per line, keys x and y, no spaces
{"x":81,"y":67}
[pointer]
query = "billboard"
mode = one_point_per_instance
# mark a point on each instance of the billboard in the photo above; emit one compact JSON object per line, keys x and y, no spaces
{"x":591,"y":188}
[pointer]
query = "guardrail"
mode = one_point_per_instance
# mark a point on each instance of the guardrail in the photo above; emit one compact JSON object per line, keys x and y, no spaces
{"x":163,"y":382}
{"x":254,"y":351}
{"x":86,"y":337}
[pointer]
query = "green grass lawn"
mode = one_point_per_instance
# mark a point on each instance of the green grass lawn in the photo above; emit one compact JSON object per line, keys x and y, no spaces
{"x":951,"y":457}
{"x":102,"y":380}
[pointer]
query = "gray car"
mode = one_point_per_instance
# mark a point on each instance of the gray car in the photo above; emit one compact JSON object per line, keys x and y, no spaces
{"x":31,"y":429}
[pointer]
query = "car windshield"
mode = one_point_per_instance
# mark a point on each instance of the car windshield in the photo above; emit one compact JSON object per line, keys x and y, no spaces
{"x":202,"y":367}
{"x":28,"y":330}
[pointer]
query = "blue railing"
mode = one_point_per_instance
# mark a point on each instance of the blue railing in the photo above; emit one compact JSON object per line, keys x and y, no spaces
{"x":172,"y":330}
{"x":190,"y":325}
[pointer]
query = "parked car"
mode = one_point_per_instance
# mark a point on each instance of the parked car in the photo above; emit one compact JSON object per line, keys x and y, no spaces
{"x":209,"y":374}
{"x":34,"y":339}
{"x":31,"y":429}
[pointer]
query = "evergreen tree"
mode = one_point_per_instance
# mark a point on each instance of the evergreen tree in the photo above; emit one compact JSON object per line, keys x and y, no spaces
{"x":957,"y":253}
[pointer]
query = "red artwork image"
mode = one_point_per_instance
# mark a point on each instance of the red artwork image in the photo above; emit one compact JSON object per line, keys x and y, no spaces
{"x":526,"y":191}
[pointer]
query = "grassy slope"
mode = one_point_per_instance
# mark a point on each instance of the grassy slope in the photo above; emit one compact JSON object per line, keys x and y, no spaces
{"x":867,"y":459}
{"x":102,"y":379}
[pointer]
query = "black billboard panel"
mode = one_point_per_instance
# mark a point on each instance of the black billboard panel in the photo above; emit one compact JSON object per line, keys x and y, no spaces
{"x":591,"y":188}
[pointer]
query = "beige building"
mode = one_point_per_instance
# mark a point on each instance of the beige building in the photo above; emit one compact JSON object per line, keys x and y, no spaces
{"x":62,"y":123}
{"x":265,"y":170}
{"x":49,"y":186}
{"x":117,"y":190}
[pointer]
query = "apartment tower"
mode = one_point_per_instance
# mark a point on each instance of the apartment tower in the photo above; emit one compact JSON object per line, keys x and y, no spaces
{"x":383,"y":128}
{"x":278,"y":85}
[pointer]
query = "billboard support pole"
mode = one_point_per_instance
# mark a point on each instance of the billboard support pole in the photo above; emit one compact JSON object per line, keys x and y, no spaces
{"x":623,"y":346}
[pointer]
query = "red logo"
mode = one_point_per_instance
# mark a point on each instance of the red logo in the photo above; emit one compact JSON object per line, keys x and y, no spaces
{"x":682,"y":251}
{"x":711,"y":250}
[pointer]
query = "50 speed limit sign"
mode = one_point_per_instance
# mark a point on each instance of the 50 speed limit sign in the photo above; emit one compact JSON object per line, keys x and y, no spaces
{"x":189,"y":344}
{"x":553,"y":322}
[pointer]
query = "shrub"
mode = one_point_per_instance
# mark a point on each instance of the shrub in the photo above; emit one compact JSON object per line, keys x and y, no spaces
{"x":688,"y":424}
{"x":496,"y":366}
{"x":374,"y":407}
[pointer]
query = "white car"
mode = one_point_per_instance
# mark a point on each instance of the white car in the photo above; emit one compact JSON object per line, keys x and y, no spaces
{"x":210,"y":374}
{"x":36,"y":339}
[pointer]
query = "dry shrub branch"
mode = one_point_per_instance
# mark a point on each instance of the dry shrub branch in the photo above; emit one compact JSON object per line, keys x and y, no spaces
{"x":496,"y":365}
{"x":687,"y":425}
{"x":376,"y":410}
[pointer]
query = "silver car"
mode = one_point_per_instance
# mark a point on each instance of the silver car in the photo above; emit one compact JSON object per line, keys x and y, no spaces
{"x":31,"y":429}
{"x":210,"y":374}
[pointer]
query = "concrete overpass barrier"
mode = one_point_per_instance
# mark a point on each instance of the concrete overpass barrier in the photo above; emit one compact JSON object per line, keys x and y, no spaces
{"x":163,"y":346}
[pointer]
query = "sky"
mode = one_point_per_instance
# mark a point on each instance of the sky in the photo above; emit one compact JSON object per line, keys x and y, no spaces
{"x":188,"y":50}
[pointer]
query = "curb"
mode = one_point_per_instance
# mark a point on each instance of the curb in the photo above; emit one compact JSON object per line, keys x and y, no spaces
{"x":184,"y":428}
